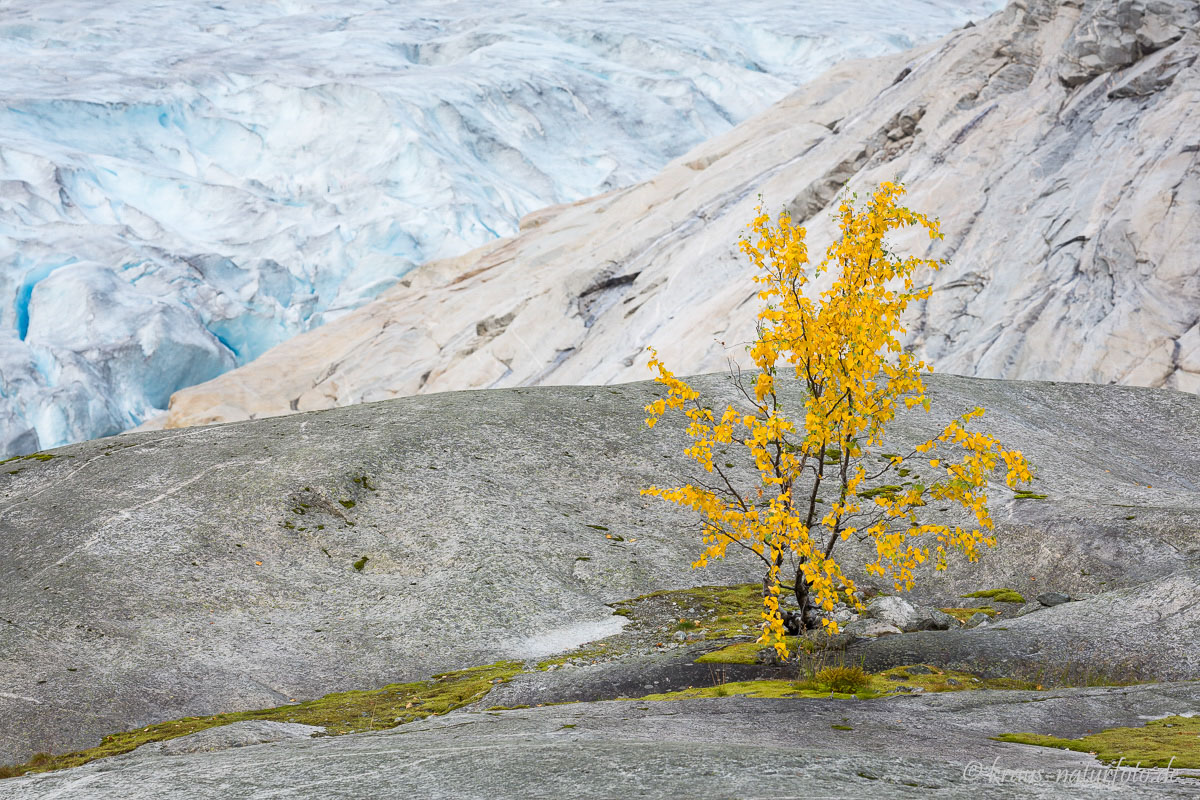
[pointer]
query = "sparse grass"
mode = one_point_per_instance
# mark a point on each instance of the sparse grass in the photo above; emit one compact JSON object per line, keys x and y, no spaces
{"x":339,"y":713}
{"x":1113,"y":674}
{"x":747,"y":652}
{"x":719,"y":612}
{"x":30,"y":457}
{"x":844,"y":679}
{"x":964,"y":614}
{"x":759,"y":688}
{"x":999,"y":595}
{"x":1173,"y":741}
{"x":819,"y":679}
{"x":589,"y":652}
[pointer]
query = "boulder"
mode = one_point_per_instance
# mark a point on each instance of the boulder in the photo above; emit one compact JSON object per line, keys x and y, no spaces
{"x":976,"y":619}
{"x":907,"y":617}
{"x":869,"y":629}
{"x":1053,"y":598}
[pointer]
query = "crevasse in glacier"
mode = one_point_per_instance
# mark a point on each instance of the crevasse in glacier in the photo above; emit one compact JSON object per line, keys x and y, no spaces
{"x":184,"y":185}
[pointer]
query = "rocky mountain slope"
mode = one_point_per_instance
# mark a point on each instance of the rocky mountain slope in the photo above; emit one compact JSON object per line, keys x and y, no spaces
{"x":239,"y":173}
{"x":1057,"y":141}
{"x":157,"y":575}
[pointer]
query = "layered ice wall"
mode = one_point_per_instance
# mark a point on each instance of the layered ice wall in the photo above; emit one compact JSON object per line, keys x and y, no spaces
{"x":185,"y":184}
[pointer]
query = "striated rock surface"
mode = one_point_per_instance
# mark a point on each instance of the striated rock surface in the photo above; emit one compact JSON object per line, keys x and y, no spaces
{"x":1056,"y":141}
{"x":906,"y":747}
{"x":158,"y":575}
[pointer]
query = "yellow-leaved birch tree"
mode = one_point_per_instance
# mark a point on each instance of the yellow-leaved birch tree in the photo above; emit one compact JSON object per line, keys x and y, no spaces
{"x":843,"y":346}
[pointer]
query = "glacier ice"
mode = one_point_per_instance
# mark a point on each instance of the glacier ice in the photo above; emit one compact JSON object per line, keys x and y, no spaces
{"x":184,"y":185}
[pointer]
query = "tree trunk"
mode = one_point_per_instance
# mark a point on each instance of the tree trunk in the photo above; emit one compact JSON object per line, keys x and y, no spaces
{"x":807,"y":615}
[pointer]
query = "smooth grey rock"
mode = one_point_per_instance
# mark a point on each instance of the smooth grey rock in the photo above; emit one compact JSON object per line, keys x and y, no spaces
{"x":722,"y":747}
{"x":869,"y":628}
{"x":237,"y":734}
{"x":891,"y":610}
{"x":133,"y":560}
{"x":976,"y":619}
{"x":1028,"y":608}
{"x":1138,"y":633}
{"x":904,"y":615}
{"x":931,"y":619}
{"x":1053,"y":598}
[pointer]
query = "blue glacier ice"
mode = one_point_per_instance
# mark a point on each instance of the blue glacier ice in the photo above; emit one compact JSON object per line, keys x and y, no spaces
{"x":185,"y":184}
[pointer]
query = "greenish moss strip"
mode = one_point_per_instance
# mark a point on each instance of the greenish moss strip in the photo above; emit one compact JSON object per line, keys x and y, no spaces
{"x":999,"y":595}
{"x":1171,"y":741}
{"x":339,"y":713}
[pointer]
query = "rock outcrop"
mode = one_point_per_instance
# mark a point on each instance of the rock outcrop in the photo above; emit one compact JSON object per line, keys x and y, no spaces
{"x":152,"y":576}
{"x":905,"y":747}
{"x":1057,"y":142}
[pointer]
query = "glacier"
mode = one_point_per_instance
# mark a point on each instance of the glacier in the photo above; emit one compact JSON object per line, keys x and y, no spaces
{"x":185,"y":185}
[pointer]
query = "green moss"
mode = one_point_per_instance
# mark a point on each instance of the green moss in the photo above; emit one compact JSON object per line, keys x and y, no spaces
{"x":879,"y":491}
{"x":347,"y":503}
{"x":999,"y":595}
{"x":598,"y":527}
{"x":1025,"y":494}
{"x":720,"y":612}
{"x":31,"y":456}
{"x":763,"y":688}
{"x":1173,"y":741}
{"x":747,"y":652}
{"x":362,"y":562}
{"x":591,"y":652}
{"x":841,"y":727}
{"x":831,"y":681}
{"x":339,"y":713}
{"x":622,"y":612}
{"x":934,"y":679}
{"x":964,"y":614}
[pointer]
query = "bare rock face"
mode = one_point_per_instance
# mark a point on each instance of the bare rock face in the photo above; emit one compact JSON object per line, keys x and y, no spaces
{"x":1056,"y":141}
{"x":153,"y":576}
{"x":932,"y":745}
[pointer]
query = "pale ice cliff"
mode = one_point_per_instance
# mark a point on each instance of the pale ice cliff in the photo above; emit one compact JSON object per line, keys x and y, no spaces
{"x":185,"y":185}
{"x":1059,"y":143}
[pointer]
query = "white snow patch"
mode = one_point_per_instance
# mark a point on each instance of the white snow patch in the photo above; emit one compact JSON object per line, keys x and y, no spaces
{"x":560,"y":640}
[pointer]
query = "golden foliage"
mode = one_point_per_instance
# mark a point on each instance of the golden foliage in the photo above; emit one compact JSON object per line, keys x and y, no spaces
{"x":844,"y":347}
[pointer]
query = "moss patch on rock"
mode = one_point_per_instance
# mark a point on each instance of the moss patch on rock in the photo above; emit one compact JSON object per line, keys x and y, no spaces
{"x":1171,"y":741}
{"x":1001,"y":595}
{"x":339,"y":713}
{"x":716,"y":611}
{"x":908,"y":679}
{"x":964,"y":614}
{"x":747,"y":652}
